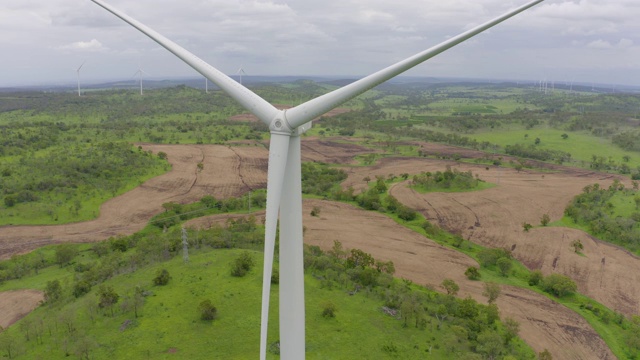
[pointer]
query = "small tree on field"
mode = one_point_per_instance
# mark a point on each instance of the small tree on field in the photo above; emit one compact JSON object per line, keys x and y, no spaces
{"x":52,"y":292}
{"x":207,"y":311}
{"x":65,"y":253}
{"x":162,"y":277}
{"x":504,"y":265}
{"x":491,"y":291}
{"x":329,"y":309}
{"x":315,"y":211}
{"x":545,"y":355}
{"x":535,"y":278}
{"x":526,"y":226}
{"x":472,"y":273}
{"x":450,"y":287}
{"x":577,"y":245}
{"x":242,"y":264}
{"x":512,"y":328}
{"x":544,"y":221}
{"x":107,"y":298}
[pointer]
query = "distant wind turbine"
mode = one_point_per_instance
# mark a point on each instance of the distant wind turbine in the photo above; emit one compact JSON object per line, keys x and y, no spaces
{"x":78,"y":74}
{"x":283,"y":175}
{"x":240,"y":72}
{"x":139,"y":73}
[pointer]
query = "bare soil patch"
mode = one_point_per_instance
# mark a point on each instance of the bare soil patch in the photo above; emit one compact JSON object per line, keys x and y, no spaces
{"x":16,"y":304}
{"x":544,"y":323}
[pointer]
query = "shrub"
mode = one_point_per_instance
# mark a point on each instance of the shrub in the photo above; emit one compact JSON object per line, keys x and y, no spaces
{"x":162,"y":277}
{"x":526,"y":227}
{"x":315,"y":211}
{"x":242,"y":264}
{"x":559,"y":285}
{"x":207,"y":311}
{"x":329,"y":309}
{"x":472,"y":273}
{"x":80,"y":288}
{"x":535,"y":278}
{"x":544,"y":221}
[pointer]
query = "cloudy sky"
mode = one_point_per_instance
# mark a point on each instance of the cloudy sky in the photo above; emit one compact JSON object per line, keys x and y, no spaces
{"x":44,"y":42}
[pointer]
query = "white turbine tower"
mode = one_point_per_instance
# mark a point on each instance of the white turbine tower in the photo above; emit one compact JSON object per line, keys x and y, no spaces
{"x":241,"y":72}
{"x":139,"y":73}
{"x":78,"y":74}
{"x":283,"y":176}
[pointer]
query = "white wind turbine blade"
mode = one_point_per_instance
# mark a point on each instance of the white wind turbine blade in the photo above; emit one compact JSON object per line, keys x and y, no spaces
{"x":318,"y":106}
{"x":249,"y":100}
{"x":278,"y":154}
{"x":78,"y":73}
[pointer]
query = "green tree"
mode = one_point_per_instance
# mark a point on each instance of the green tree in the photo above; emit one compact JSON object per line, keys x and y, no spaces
{"x":490,"y":344}
{"x":359,"y":258}
{"x":559,"y":285}
{"x":544,"y":221}
{"x":65,"y":253}
{"x":535,"y":278}
{"x":472,"y":273}
{"x":511,"y":329}
{"x":162,"y":277}
{"x":504,"y":265}
{"x":242,"y":264}
{"x":526,"y":226}
{"x":450,"y":287}
{"x":545,"y":355}
{"x":207,"y":311}
{"x":107,"y":298}
{"x":577,"y":245}
{"x":52,"y":291}
{"x":329,"y":309}
{"x":491,"y":291}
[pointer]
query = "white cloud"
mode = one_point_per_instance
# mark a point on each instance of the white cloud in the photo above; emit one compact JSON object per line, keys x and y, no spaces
{"x":92,"y":45}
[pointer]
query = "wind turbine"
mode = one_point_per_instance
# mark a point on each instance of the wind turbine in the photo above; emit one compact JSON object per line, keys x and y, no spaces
{"x":139,"y":73}
{"x":283,"y":175}
{"x":78,"y":73}
{"x":240,"y":72}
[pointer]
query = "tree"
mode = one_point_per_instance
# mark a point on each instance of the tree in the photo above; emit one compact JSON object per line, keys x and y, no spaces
{"x":491,"y":291}
{"x":504,"y":265}
{"x":329,"y":309}
{"x":472,"y":273}
{"x":450,"y":287}
{"x":545,"y":355}
{"x":511,"y":329}
{"x":564,"y":136}
{"x":577,"y":245}
{"x":207,"y":311}
{"x":490,"y":344}
{"x":53,"y":291}
{"x":544,"y":221}
{"x":162,"y":277}
{"x":535,"y":278}
{"x":537,"y":141}
{"x":242,"y":264}
{"x":315,"y":211}
{"x":162,"y":155}
{"x":526,"y":226}
{"x":359,"y":258}
{"x":559,"y":285}
{"x":107,"y":297}
{"x":65,"y":253}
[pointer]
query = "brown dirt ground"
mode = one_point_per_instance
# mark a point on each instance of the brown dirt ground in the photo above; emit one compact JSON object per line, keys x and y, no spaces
{"x":544,"y":324}
{"x":15,"y":304}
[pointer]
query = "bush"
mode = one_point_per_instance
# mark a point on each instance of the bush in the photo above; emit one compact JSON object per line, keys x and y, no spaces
{"x":559,"y":285}
{"x":207,"y":311}
{"x":329,"y":309}
{"x":472,"y":273}
{"x":80,"y":288}
{"x":242,"y":264}
{"x":535,"y":278}
{"x":162,"y":277}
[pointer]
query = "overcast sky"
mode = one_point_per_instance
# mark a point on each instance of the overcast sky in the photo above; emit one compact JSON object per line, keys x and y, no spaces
{"x":45,"y":41}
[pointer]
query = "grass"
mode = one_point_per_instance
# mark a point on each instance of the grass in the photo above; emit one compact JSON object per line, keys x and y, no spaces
{"x":169,"y":325}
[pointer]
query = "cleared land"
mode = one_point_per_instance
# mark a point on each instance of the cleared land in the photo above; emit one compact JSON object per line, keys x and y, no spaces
{"x":492,"y":217}
{"x":15,"y":304}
